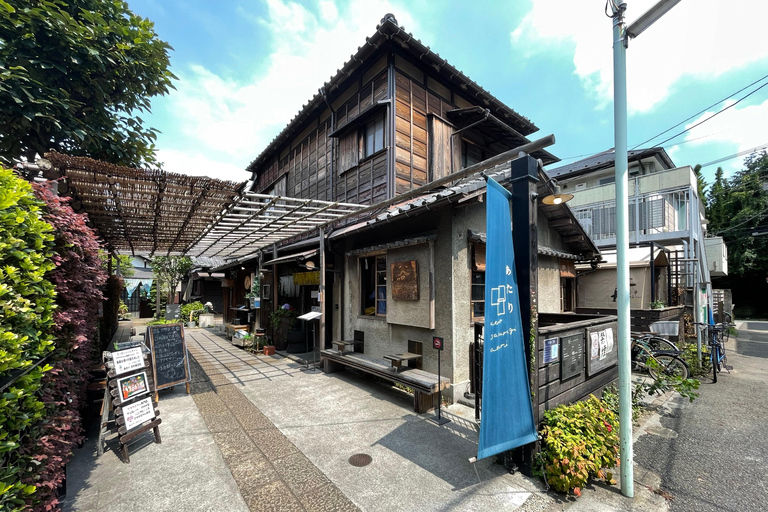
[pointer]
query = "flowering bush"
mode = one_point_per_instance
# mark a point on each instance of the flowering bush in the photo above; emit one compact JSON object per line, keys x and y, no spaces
{"x":284,"y":311}
{"x":580,"y":441}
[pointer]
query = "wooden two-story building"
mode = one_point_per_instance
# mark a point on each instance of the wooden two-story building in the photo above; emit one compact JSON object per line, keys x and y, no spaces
{"x":394,"y":118}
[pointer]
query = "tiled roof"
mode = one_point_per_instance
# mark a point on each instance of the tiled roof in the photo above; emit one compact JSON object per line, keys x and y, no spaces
{"x":389,"y":30}
{"x":604,"y":160}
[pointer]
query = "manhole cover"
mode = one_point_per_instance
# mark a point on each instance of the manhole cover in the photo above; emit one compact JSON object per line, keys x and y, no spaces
{"x":360,"y":459}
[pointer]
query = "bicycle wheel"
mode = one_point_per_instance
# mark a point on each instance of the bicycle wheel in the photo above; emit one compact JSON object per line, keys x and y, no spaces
{"x":658,"y":343}
{"x":715,"y":362}
{"x":670,"y":366}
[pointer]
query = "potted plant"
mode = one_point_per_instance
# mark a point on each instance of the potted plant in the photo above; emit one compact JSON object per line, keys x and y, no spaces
{"x":282,"y":321}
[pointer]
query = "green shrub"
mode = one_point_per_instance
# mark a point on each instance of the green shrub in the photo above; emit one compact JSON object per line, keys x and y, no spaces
{"x":580,"y":441}
{"x":611,"y":400}
{"x":193,"y":307}
{"x":26,"y":324}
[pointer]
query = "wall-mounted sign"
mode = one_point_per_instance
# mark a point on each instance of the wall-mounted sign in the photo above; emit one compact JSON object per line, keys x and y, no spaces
{"x":572,"y":356}
{"x":603,"y":351}
{"x":132,"y":386}
{"x":128,"y":360}
{"x":405,"y":280}
{"x":137,"y":413}
{"x":551,"y":350}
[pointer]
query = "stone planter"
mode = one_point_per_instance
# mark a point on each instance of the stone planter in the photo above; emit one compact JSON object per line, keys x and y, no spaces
{"x":206,"y":320}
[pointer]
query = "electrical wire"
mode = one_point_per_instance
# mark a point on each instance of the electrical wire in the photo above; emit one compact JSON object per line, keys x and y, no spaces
{"x":736,"y":155}
{"x":704,"y":110}
{"x":729,"y":228}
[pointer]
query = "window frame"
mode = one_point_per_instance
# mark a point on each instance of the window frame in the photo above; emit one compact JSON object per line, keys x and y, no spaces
{"x":365,"y":288}
{"x":363,"y":136}
{"x":474,"y":270}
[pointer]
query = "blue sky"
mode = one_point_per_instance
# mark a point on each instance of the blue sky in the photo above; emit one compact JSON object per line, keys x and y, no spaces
{"x":246,"y":67}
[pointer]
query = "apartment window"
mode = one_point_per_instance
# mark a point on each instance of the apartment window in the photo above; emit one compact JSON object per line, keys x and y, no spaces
{"x":607,"y":180}
{"x":471,"y":154}
{"x":372,"y":137}
{"x":373,"y":286}
{"x":477,"y":296}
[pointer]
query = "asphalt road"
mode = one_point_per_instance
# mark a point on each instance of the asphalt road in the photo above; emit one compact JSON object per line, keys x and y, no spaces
{"x":712,"y":454}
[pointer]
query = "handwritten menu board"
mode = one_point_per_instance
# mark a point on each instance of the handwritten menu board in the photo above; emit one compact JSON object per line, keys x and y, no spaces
{"x":572,"y":356}
{"x":170,"y":362}
{"x":405,"y":280}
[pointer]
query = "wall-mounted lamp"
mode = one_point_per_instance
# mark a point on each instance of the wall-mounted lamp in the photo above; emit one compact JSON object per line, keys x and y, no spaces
{"x":557,"y":197}
{"x":309,"y":265}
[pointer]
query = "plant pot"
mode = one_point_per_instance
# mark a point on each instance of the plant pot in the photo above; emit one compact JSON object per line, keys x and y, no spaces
{"x":190,"y":325}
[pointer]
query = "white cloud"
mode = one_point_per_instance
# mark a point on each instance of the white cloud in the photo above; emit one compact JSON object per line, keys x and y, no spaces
{"x":198,"y":164}
{"x":696,"y":39}
{"x":239,"y":117}
{"x":744,"y":127}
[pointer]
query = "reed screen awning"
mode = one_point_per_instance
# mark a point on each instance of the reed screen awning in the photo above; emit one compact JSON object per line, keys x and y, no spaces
{"x":142,"y":211}
{"x":255,"y":221}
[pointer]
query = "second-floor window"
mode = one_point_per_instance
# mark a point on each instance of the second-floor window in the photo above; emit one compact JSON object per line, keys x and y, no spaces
{"x":372,"y":137}
{"x":471,"y":154}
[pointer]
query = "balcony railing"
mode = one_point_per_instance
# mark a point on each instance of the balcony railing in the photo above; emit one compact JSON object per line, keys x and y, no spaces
{"x":659,"y":204}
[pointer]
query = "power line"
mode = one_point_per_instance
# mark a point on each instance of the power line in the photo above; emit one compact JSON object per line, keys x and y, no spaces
{"x":710,"y":117}
{"x":702,"y":111}
{"x":736,"y":155}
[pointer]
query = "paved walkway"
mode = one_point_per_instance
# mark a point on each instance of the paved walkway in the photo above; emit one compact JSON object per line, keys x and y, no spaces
{"x":319,"y":421}
{"x":713,"y":452}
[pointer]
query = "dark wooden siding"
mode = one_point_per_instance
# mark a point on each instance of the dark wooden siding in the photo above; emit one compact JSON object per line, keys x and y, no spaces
{"x":552,"y":390}
{"x":308,"y":163}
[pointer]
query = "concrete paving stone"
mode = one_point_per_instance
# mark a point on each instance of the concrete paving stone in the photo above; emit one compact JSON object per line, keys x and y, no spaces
{"x":272,"y":443}
{"x":209,"y":403}
{"x":234,"y":443}
{"x":200,"y":387}
{"x":221,"y":422}
{"x":328,"y":498}
{"x":252,"y":465}
{"x":252,"y":419}
{"x":273,"y":496}
{"x":300,"y":474}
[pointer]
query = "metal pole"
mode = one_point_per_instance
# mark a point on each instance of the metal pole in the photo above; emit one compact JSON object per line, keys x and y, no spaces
{"x":440,"y":401}
{"x":622,"y":247}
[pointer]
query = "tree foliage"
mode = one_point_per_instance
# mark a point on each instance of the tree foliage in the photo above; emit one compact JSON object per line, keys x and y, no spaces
{"x":736,"y":207}
{"x":170,"y":270}
{"x":74,"y":75}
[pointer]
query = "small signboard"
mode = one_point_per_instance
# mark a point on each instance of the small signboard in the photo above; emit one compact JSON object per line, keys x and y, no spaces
{"x":172,"y":312}
{"x":128,"y":360}
{"x":138,"y":412}
{"x":551,"y":350}
{"x":603,"y":352}
{"x":572,"y":356}
{"x":132,"y":386}
{"x":437,"y":343}
{"x":405,"y":280}
{"x":170,"y":361}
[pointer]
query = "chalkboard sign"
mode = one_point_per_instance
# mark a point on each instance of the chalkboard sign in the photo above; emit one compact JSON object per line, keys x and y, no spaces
{"x":170,"y":362}
{"x":572,"y":356}
{"x":172,"y":312}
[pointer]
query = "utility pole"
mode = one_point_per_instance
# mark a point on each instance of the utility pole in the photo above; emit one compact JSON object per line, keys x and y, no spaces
{"x":621,"y":35}
{"x":622,"y":248}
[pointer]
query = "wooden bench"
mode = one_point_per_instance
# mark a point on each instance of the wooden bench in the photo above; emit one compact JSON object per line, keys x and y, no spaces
{"x":425,"y":385}
{"x":232,"y":328}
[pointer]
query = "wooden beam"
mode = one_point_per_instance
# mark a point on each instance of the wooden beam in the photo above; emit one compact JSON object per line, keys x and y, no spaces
{"x":559,"y":223}
{"x":192,"y":211}
{"x":573,"y":239}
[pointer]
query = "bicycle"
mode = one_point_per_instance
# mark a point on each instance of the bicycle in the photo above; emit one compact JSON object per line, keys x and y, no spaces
{"x":654,"y":341}
{"x":717,"y":335}
{"x":658,"y":362}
